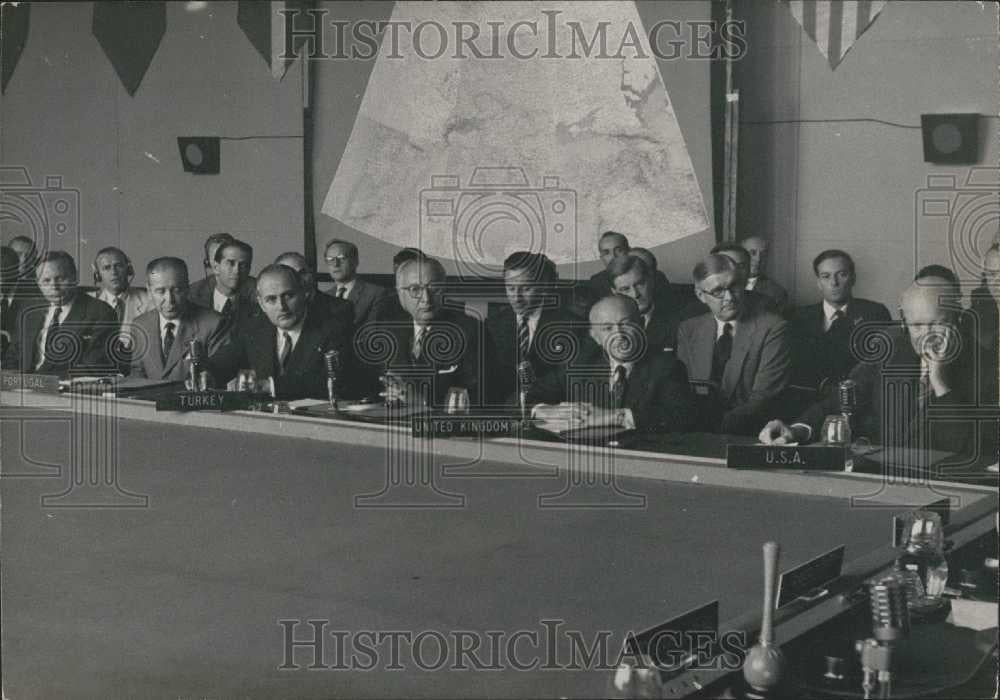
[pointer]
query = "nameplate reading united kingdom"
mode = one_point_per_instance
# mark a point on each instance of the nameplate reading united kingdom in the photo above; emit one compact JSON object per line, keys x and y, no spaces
{"x":215,"y":401}
{"x":17,"y":381}
{"x":818,"y":457}
{"x":464,"y":426}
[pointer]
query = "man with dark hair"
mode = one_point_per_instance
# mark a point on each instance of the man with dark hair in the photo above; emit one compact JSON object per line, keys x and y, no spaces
{"x":631,"y":277}
{"x":70,"y":332}
{"x":365,"y":297}
{"x":203,"y":288}
{"x":610,"y":245}
{"x":757,"y":248}
{"x":531,"y":328}
{"x":821,"y":332}
{"x":433,"y":348}
{"x":26,"y":287}
{"x":616,"y":381}
{"x":161,"y":337}
{"x":405,"y":254}
{"x":113,"y":275}
{"x":233,"y":290}
{"x":928,"y":368}
{"x":738,"y":352}
{"x":289,"y":342}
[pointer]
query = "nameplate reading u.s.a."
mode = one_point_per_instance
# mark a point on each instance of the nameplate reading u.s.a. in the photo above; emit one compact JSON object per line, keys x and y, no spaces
{"x":12,"y":380}
{"x":209,"y":401}
{"x":820,"y":457}
{"x":464,"y":426}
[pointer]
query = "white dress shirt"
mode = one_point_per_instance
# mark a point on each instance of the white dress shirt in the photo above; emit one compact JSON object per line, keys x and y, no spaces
{"x":219,"y":299}
{"x":347,"y":286}
{"x":720,"y":325}
{"x":751,"y":282}
{"x":293,"y":333}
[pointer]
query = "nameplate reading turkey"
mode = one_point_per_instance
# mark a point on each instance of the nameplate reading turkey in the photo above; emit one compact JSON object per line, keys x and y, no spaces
{"x":818,"y":457}
{"x":464,"y":426}
{"x":17,"y":381}
{"x":807,"y":580}
{"x":215,"y":401}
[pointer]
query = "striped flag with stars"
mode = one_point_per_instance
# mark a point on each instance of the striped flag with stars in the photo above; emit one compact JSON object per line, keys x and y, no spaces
{"x":834,"y":25}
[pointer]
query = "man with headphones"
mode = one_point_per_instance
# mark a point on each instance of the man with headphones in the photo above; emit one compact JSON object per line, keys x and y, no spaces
{"x":113,"y":274}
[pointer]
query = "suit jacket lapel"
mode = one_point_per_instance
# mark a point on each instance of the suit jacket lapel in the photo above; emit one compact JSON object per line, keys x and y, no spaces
{"x":187,"y":331}
{"x":744,"y":333}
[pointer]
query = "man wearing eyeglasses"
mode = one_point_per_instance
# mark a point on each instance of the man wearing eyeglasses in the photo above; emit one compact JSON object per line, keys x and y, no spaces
{"x":616,"y":380}
{"x":434,"y":348}
{"x":367,"y":298}
{"x":738,"y":353}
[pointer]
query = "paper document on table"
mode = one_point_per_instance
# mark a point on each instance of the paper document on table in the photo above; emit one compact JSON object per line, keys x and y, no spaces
{"x":975,"y":614}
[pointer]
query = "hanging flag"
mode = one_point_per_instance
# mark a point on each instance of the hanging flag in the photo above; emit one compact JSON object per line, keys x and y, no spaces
{"x":14,"y":24}
{"x":130,"y":33}
{"x":834,"y":25}
{"x":264,"y":26}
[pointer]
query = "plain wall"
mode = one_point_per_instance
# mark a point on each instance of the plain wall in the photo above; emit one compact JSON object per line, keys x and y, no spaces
{"x":857,"y":186}
{"x":65,"y":113}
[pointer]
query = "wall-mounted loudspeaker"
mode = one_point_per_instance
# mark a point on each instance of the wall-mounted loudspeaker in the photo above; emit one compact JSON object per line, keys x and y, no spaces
{"x":950,"y":138}
{"x":199,"y":154}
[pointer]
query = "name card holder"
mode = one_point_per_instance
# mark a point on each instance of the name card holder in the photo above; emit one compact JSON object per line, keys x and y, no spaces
{"x":806,"y":581}
{"x":13,"y":380}
{"x":213,"y":401}
{"x":465,"y":426}
{"x":798,"y":457}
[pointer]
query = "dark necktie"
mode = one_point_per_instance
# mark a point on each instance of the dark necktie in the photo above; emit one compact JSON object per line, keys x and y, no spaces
{"x":227,"y":308}
{"x":720,"y":356}
{"x":523,"y":336}
{"x":342,"y":292}
{"x":620,"y":386}
{"x":168,"y":340}
{"x":286,"y":351}
{"x":120,"y":311}
{"x":839,"y":322}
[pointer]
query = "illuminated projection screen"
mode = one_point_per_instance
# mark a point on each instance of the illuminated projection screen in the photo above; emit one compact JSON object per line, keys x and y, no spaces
{"x":471,"y":157}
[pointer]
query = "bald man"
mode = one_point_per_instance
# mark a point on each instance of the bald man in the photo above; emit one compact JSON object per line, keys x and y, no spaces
{"x":929,"y":366}
{"x":617,"y":380}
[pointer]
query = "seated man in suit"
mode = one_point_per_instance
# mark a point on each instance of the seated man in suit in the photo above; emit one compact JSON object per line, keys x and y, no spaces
{"x":233,"y":292}
{"x":532,"y":328}
{"x":289,"y":343}
{"x":928,"y":366}
{"x":27,"y":256}
{"x":9,"y":270}
{"x":113,"y":275}
{"x":739,"y":351}
{"x":757,"y":248}
{"x":631,"y":277}
{"x":433,"y":348}
{"x":821,"y":333}
{"x":161,"y":337}
{"x":322,"y":304}
{"x":616,"y":381}
{"x":610,"y":245}
{"x":367,"y":298}
{"x":204,"y":287}
{"x":662,"y":283}
{"x":70,"y":332}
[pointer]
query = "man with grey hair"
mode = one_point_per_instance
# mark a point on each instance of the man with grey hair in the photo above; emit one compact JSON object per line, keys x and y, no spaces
{"x":738,"y":352}
{"x":161,"y":337}
{"x":434,"y":348}
{"x":929,"y":366}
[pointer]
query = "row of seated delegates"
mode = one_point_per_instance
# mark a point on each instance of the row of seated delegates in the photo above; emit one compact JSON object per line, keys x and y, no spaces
{"x":931,"y":362}
{"x":62,"y":329}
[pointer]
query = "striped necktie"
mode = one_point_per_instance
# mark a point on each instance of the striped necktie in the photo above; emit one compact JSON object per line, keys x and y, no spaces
{"x":418,"y":342}
{"x":285,"y":352}
{"x":523,"y":336}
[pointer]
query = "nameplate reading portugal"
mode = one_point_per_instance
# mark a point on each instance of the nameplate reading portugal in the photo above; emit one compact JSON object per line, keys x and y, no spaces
{"x":464,"y":426}
{"x":215,"y":401}
{"x":807,"y":580}
{"x":818,"y":457}
{"x":11,"y":380}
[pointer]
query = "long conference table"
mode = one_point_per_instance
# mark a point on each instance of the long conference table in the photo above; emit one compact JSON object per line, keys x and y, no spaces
{"x":177,"y":554}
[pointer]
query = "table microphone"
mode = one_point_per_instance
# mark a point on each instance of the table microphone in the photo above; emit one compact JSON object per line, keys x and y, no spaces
{"x":196,"y":355}
{"x":890,"y":624}
{"x":526,"y":379}
{"x":333,"y":364}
